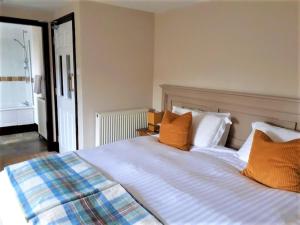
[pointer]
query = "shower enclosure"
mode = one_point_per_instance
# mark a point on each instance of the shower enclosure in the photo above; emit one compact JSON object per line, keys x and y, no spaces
{"x":17,"y":100}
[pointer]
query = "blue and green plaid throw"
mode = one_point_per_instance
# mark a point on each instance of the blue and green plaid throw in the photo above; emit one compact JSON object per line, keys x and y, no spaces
{"x":64,"y":189}
{"x":111,"y":206}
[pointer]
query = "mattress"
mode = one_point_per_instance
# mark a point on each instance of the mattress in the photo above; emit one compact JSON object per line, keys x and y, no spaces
{"x":203,"y":186}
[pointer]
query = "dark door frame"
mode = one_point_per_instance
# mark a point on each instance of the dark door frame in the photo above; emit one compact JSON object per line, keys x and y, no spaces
{"x":46,"y":58}
{"x":64,"y":19}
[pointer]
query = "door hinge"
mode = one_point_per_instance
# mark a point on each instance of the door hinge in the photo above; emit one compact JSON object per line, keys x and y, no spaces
{"x":54,"y":25}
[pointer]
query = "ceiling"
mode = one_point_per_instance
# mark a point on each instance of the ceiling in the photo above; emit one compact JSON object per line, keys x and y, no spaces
{"x":154,"y":6}
{"x":48,"y":5}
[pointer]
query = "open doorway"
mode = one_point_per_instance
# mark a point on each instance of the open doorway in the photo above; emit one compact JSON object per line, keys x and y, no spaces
{"x":65,"y":82}
{"x":25,"y":90}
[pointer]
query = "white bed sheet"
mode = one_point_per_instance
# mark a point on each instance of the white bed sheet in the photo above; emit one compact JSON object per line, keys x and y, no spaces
{"x":198,"y":187}
{"x":11,"y":212}
{"x":203,"y":187}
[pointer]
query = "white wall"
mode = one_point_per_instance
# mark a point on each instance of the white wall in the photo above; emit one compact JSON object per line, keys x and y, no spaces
{"x":37,"y":64}
{"x":13,"y":93}
{"x":11,"y":53}
{"x":240,"y":46}
{"x":31,"y":14}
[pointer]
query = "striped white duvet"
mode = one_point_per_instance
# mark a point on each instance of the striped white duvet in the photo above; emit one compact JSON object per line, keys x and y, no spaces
{"x":181,"y":188}
{"x":193,"y":187}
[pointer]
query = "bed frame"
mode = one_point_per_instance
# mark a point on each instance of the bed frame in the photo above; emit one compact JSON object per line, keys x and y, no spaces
{"x":244,"y":108}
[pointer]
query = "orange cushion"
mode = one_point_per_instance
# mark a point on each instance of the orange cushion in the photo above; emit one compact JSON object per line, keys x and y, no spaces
{"x":175,"y":130}
{"x":274,"y":164}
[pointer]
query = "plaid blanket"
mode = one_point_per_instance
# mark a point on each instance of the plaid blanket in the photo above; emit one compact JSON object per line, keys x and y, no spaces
{"x":112,"y":206}
{"x":66,"y":188}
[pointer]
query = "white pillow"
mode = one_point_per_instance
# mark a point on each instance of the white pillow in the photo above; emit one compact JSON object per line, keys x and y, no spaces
{"x":196,"y":115}
{"x":179,"y":110}
{"x":227,"y":120}
{"x":275,"y":133}
{"x":208,"y":128}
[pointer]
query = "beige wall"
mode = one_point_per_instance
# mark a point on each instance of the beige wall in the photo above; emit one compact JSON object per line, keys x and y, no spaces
{"x":114,"y":48}
{"x":247,"y":46}
{"x":25,"y":13}
{"x":298,"y":58}
{"x":116,"y":61}
{"x":241,"y":46}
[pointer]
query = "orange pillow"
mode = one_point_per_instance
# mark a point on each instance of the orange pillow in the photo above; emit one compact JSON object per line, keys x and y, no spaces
{"x":175,"y":130}
{"x":274,"y":164}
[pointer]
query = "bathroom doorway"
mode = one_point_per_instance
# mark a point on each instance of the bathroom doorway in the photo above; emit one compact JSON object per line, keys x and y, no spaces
{"x":25,"y":89}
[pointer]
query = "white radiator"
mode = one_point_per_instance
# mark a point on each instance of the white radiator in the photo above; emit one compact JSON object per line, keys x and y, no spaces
{"x":120,"y":125}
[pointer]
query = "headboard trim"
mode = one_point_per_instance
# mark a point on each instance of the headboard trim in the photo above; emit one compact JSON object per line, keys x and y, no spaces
{"x":245,"y":108}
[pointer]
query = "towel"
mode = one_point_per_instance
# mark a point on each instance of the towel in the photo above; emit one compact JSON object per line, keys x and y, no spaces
{"x":43,"y":87}
{"x":38,"y":84}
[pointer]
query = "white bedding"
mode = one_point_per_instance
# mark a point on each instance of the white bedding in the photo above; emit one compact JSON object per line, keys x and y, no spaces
{"x":199,"y":187}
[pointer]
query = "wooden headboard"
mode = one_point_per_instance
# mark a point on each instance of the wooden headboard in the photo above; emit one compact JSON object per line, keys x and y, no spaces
{"x":244,"y":108}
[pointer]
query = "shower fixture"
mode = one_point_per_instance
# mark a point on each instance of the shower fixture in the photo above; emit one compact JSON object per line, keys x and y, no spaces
{"x":22,"y":45}
{"x":26,"y":61}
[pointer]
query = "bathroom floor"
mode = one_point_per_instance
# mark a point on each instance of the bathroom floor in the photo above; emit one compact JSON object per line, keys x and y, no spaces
{"x":19,"y":147}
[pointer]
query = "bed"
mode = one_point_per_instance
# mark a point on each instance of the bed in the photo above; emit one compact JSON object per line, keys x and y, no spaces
{"x":198,"y":187}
